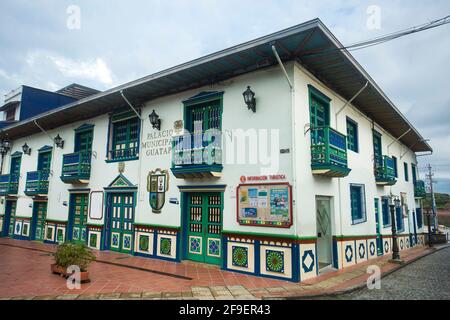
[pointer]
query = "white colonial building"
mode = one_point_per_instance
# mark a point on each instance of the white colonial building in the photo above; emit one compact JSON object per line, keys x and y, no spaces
{"x":157,"y":168}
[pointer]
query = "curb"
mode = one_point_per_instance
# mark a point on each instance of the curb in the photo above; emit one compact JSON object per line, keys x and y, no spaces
{"x":359,"y":286}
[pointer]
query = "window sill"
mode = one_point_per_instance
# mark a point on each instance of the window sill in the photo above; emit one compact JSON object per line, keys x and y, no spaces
{"x":354,"y":223}
{"x":121,"y":160}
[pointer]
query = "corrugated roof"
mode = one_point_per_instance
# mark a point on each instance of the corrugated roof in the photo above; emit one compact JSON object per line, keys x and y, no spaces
{"x":310,"y":43}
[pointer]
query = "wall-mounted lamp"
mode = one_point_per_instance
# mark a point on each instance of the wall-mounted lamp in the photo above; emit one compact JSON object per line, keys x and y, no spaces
{"x":249,"y":98}
{"x":155,"y":120}
{"x":5,"y":146}
{"x":59,"y":142}
{"x":26,"y":149}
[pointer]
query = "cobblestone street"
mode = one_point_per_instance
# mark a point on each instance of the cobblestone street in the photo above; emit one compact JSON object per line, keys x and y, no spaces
{"x":427,"y":278}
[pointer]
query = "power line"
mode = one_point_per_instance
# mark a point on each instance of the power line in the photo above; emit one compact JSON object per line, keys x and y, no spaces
{"x":388,"y":37}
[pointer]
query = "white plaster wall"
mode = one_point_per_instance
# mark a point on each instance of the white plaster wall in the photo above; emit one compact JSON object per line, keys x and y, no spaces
{"x":361,"y":164}
{"x":272,"y":112}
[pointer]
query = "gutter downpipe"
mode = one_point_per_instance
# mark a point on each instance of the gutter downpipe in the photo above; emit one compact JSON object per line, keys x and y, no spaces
{"x":339,"y":180}
{"x":53,"y":153}
{"x":396,"y":140}
{"x":141,"y":130}
{"x":293,"y":130}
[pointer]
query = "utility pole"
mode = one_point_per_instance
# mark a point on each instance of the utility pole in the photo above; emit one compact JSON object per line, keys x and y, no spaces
{"x":433,"y":200}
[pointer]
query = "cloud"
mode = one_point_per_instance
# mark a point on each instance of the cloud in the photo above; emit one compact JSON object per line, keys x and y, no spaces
{"x":121,"y":41}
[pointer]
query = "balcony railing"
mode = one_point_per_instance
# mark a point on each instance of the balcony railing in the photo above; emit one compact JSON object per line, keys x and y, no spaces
{"x":76,"y":167}
{"x":37,"y":183}
{"x":329,"y":152}
{"x":123,"y":154}
{"x":197,"y":155}
{"x":9,"y":184}
{"x":385,"y":174}
{"x":419,"y":189}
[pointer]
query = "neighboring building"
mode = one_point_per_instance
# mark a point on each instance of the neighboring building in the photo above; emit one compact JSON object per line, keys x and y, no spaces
{"x":26,"y":102}
{"x":124,"y":181}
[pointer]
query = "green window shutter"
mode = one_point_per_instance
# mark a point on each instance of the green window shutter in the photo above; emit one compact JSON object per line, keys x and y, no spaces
{"x":405,"y":167}
{"x":394,"y":159}
{"x":352,"y":135}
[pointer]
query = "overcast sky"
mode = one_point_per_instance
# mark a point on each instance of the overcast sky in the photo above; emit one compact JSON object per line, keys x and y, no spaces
{"x":119,"y":41}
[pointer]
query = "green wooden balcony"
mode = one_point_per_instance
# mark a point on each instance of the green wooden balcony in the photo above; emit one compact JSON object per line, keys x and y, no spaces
{"x":37,"y":183}
{"x":198,"y":157}
{"x":329,"y":152}
{"x":385,"y":174}
{"x":9,"y":184}
{"x":76,"y":168}
{"x":419,"y":189}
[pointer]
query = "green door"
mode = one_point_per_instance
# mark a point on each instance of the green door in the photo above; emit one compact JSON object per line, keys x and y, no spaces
{"x":320,"y":117}
{"x":40,"y":213}
{"x":122,"y":219}
{"x":377,"y":151}
{"x":11,"y":212}
{"x":78,"y":213}
{"x":204,"y":227}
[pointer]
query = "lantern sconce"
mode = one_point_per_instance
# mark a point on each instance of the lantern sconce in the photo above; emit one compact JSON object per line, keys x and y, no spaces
{"x":59,"y":142}
{"x":26,"y":149}
{"x":249,"y":98}
{"x":5,"y":146}
{"x":155,"y":120}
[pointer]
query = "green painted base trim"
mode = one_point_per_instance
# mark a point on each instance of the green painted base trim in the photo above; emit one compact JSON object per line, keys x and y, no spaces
{"x":55,"y":220}
{"x":267,"y":235}
{"x":355,"y":236}
{"x":156,"y":226}
{"x":95,"y":224}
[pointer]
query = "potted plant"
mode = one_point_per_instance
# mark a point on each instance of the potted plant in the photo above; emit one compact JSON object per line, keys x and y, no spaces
{"x":72,"y":254}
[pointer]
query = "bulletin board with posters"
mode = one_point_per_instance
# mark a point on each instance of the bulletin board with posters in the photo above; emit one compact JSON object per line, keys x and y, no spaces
{"x":264,"y":205}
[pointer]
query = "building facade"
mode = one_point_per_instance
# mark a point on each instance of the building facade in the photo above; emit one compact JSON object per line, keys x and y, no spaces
{"x":179,"y":166}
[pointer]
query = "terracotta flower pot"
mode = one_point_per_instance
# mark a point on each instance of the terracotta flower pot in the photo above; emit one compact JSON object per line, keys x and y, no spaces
{"x":84,"y":275}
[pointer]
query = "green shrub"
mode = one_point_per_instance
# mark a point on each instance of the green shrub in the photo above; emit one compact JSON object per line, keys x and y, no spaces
{"x":69,"y":254}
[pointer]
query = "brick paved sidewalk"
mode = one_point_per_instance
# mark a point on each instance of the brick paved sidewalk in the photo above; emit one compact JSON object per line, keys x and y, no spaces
{"x":25,"y":274}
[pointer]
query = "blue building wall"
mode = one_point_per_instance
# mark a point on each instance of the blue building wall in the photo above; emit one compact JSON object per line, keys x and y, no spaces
{"x":36,"y":101}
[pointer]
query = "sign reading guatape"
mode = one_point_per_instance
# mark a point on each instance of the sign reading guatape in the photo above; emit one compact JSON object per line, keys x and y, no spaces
{"x":158,"y":143}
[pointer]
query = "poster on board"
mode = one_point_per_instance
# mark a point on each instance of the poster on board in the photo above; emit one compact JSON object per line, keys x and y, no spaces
{"x":264,"y":205}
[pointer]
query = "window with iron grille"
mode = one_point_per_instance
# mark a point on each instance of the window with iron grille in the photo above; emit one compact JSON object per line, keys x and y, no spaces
{"x":124,"y":138}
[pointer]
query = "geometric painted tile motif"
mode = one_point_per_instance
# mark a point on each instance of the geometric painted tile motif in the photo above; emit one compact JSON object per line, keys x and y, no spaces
{"x":308,"y":261}
{"x":372,"y":248}
{"x":165,"y":246}
{"x":214,"y":247}
{"x":349,"y":253}
{"x":144,"y":242}
{"x":275,"y":261}
{"x":195,"y":245}
{"x":93,"y":240}
{"x":362,"y":251}
{"x":240,"y":256}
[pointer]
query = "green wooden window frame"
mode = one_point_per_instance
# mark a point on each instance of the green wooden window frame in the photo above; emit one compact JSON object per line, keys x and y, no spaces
{"x":394,"y":159}
{"x":419,"y":218}
{"x":358,"y":203}
{"x":352,"y":135}
{"x":405,"y":169}
{"x":124,"y":137}
{"x":377,"y":149}
{"x":385,"y":212}
{"x":414,"y":172}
